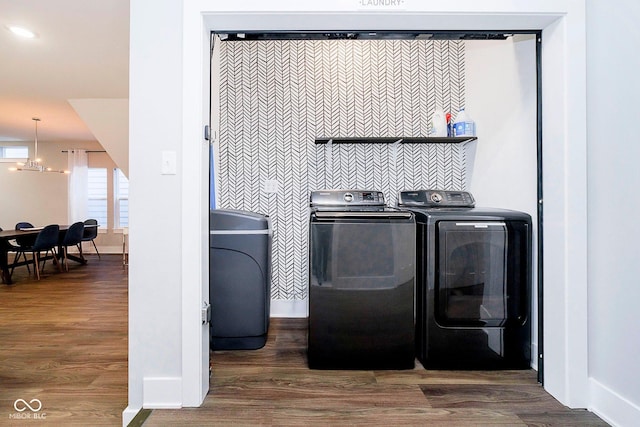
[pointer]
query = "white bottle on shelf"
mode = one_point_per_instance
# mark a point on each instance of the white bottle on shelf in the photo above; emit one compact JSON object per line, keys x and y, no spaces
{"x":438,"y":123}
{"x":463,"y":124}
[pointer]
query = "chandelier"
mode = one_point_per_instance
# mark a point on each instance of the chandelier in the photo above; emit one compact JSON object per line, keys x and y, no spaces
{"x":35,"y":165}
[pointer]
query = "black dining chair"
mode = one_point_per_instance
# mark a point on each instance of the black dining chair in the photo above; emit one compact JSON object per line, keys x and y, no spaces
{"x":90,"y":233}
{"x":46,"y":241}
{"x":7,"y":246}
{"x":10,"y":245}
{"x":24,"y":242}
{"x":72,"y":237}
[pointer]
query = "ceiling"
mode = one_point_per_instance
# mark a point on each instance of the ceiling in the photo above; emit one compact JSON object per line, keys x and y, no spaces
{"x":81,"y":51}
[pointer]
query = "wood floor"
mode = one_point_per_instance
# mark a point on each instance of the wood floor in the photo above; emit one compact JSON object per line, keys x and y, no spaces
{"x":273,"y":387}
{"x":63,"y":340}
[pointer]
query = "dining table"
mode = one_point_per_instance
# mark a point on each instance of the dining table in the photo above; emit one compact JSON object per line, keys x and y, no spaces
{"x":5,"y":247}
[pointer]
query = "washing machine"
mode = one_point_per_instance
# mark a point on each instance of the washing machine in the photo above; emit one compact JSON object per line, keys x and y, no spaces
{"x":361,"y":282}
{"x":474,"y":274}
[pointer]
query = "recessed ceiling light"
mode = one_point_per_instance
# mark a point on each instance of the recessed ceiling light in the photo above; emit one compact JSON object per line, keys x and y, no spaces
{"x":22,"y":32}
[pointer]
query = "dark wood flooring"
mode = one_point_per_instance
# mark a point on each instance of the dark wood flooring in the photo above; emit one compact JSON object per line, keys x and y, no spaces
{"x":273,"y":387}
{"x":63,"y":340}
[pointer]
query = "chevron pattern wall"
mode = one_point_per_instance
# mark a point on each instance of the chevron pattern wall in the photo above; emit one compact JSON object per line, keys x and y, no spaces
{"x":276,"y":97}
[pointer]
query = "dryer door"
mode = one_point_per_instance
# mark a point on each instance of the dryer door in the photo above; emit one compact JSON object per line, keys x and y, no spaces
{"x":471,"y":286}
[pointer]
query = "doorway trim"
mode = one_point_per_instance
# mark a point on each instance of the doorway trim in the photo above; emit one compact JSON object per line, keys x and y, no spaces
{"x":563,"y":55}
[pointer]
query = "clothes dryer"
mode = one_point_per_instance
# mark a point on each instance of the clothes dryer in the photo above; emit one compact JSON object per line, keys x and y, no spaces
{"x":474,"y":274}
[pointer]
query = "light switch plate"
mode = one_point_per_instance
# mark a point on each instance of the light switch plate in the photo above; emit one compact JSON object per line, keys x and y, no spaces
{"x":169,"y":163}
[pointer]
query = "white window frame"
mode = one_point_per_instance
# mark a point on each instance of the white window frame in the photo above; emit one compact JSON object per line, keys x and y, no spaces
{"x":118,"y":198}
{"x":4,"y":159}
{"x":104,"y":198}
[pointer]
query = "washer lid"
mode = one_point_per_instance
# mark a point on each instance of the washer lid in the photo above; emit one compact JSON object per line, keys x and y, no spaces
{"x":436,"y":198}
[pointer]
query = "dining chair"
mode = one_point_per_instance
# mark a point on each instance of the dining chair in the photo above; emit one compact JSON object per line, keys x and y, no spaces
{"x":72,"y":237}
{"x":90,"y":233}
{"x":8,"y":246}
{"x":24,"y":242}
{"x":46,"y":241}
{"x":125,"y":250}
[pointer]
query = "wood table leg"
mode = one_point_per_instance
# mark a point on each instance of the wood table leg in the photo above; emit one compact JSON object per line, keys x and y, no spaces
{"x":4,"y":266}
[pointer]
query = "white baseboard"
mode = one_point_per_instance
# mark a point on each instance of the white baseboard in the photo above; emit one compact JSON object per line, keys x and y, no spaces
{"x":534,"y":356}
{"x":289,"y":308}
{"x":128,"y":415}
{"x":162,"y":393}
{"x":106,"y":250}
{"x":89,"y":250}
{"x":611,"y":407}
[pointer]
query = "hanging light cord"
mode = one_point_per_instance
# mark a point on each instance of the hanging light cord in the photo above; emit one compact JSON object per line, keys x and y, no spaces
{"x":36,"y":120}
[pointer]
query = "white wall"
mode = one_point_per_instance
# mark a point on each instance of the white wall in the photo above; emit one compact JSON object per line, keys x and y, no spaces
{"x":38,"y":198}
{"x":614,"y":229}
{"x":108,"y":120}
{"x":42,"y":198}
{"x":501,"y":99}
{"x":155,"y":204}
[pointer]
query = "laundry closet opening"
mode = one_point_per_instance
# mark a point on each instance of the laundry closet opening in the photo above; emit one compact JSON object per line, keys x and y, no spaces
{"x":275,"y":93}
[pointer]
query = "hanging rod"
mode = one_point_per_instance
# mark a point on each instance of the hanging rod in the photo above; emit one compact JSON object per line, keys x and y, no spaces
{"x":88,"y":151}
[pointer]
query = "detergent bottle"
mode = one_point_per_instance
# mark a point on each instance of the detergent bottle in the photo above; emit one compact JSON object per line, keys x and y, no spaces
{"x":463,"y":124}
{"x":438,"y":123}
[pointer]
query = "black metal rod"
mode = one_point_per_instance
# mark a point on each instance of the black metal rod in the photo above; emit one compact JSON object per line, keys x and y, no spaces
{"x":88,"y":151}
{"x":540,"y":354}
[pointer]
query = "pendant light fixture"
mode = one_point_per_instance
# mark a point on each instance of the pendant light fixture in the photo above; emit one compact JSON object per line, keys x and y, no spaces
{"x":35,"y":165}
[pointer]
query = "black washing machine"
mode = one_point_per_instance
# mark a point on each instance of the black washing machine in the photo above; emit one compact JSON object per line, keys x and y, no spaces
{"x":361,"y":282}
{"x":474,"y":274}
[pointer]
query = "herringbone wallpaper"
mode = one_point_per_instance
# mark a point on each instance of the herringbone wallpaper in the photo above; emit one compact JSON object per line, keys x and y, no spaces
{"x":276,"y":97}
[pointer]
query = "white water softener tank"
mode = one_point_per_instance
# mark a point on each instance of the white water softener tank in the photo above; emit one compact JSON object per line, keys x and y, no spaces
{"x":463,"y":124}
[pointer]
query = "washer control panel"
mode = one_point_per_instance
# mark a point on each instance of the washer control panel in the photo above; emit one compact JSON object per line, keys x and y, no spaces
{"x":347,"y":198}
{"x":436,"y":198}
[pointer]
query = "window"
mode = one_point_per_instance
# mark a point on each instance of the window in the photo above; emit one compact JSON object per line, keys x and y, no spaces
{"x":14,"y":152}
{"x":97,"y":194}
{"x":121,"y":199}
{"x":106,"y":192}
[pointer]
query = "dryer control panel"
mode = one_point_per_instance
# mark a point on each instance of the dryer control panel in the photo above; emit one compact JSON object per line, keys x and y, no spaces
{"x":436,"y":198}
